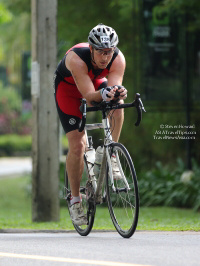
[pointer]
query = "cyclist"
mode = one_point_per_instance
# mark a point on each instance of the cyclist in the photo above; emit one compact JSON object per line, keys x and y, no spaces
{"x":81,"y":74}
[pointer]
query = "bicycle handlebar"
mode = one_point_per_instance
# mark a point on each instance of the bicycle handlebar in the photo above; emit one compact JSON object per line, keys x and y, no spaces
{"x":107,"y":106}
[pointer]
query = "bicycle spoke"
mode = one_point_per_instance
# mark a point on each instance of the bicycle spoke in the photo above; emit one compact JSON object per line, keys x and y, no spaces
{"x":127,"y":202}
{"x":123,"y":203}
{"x":126,"y":210}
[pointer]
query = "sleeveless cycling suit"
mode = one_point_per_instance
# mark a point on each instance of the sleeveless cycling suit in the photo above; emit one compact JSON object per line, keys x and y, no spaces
{"x":67,"y":95}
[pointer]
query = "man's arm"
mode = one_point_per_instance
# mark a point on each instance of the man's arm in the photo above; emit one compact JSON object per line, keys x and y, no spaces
{"x":115,"y":76}
{"x":79,"y":71}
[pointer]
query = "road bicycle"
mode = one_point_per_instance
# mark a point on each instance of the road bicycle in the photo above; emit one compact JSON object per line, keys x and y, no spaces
{"x":121,"y":195}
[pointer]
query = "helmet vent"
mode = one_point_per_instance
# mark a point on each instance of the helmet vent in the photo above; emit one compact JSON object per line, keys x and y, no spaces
{"x":98,"y":37}
{"x":91,"y":40}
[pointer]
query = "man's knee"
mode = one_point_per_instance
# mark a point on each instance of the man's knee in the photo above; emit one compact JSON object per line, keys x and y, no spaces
{"x":76,"y":144}
{"x":78,"y":148}
{"x":118,"y":113}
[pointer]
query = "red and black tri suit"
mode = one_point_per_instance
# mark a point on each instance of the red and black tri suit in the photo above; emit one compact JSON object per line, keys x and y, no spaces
{"x":67,"y":95}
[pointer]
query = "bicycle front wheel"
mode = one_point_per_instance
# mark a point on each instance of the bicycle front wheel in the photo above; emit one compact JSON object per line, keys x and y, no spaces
{"x":86,"y":191}
{"x":122,"y":194}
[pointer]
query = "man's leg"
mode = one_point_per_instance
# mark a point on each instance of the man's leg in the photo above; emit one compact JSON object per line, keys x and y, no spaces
{"x":75,"y":161}
{"x":69,"y":114}
{"x":116,"y":122}
{"x":75,"y":166}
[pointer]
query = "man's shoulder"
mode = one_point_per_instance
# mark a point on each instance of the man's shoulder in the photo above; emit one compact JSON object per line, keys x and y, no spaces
{"x":119,"y":60}
{"x":79,"y":46}
{"x":75,"y":63}
{"x":119,"y":63}
{"x":120,"y":54}
{"x":82,"y":45}
{"x":74,"y":59}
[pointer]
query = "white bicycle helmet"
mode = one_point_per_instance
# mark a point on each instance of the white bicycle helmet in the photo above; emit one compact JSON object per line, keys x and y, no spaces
{"x":102,"y":36}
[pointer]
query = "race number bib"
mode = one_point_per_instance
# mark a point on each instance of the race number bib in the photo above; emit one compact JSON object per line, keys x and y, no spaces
{"x":104,"y":39}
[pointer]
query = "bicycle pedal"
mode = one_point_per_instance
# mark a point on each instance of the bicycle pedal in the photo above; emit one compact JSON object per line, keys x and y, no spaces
{"x":104,"y":199}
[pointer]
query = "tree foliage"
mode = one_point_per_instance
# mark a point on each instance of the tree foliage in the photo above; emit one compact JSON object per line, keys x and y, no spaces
{"x":15,"y":37}
{"x":190,"y":7}
{"x":5,"y":14}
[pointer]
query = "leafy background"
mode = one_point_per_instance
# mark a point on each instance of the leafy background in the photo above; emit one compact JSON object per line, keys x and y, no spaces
{"x":159,"y":163}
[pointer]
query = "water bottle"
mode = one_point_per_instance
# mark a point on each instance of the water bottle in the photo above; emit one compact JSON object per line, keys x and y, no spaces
{"x":90,"y":157}
{"x":98,"y":160}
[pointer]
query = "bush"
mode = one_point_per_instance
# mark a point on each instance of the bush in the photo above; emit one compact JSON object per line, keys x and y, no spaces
{"x":12,"y":144}
{"x":160,"y":186}
{"x":10,"y":99}
{"x":15,"y":115}
{"x":176,"y":188}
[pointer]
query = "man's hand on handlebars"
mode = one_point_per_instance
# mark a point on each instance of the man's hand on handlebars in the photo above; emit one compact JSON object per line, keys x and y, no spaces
{"x":113,"y":93}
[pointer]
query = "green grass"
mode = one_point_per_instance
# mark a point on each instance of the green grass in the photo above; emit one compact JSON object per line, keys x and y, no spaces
{"x":15,"y":212}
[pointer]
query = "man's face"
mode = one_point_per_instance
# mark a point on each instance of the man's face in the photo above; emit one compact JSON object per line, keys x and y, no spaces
{"x":102,"y":57}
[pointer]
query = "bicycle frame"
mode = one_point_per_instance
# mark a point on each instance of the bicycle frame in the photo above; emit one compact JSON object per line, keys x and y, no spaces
{"x":98,"y":185}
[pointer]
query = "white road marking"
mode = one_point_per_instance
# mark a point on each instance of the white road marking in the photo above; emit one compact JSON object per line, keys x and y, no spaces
{"x":93,"y":262}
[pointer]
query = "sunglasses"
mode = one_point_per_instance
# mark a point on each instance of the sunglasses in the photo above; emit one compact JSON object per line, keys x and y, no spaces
{"x":101,"y":52}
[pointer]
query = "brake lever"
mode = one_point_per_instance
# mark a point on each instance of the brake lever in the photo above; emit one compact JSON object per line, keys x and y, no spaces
{"x":141,"y":105}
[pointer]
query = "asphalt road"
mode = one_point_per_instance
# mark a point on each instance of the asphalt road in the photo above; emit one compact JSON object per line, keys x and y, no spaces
{"x":100,"y":248}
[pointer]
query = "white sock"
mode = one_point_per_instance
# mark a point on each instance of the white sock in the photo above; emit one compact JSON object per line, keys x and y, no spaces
{"x":74,"y":200}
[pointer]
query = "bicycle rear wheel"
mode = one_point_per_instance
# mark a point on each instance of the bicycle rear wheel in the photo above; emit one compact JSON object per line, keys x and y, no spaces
{"x":123,"y":199}
{"x":88,"y":204}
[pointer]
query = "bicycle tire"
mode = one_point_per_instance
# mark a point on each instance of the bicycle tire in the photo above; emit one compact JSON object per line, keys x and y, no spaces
{"x":123,"y":204}
{"x":89,"y":207}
